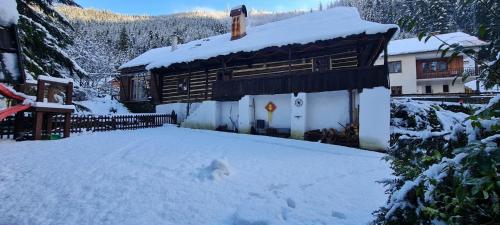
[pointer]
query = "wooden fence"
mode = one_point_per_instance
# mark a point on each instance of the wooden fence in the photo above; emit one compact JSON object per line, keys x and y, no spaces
{"x":90,"y":123}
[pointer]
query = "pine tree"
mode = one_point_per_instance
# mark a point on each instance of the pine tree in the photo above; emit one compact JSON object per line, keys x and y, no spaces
{"x":43,"y":34}
{"x":123,"y":42}
{"x":438,"y":16}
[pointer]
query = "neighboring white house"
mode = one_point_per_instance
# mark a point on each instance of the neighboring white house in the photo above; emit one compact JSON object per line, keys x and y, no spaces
{"x":416,"y":67}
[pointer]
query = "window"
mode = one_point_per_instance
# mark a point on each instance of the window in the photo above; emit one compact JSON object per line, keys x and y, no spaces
{"x":446,"y":88}
{"x":396,"y":90}
{"x":428,"y":89}
{"x":224,"y":75}
{"x":434,"y":66}
{"x":140,"y":87}
{"x":321,"y":64}
{"x":395,"y":67}
{"x":182,"y":85}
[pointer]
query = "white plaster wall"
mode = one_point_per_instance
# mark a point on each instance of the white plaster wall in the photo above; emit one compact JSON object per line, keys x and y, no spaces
{"x":205,"y":116}
{"x":374,"y":118}
{"x":299,"y":115}
{"x":327,"y":110}
{"x":408,"y":76}
{"x":246,"y":114}
{"x":179,"y":108}
{"x":228,"y":111}
{"x":437,"y":86}
{"x":280,"y":117}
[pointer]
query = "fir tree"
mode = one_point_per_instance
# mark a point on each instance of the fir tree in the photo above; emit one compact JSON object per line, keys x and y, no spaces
{"x":43,"y":34}
{"x":123,"y":42}
{"x":438,"y":16}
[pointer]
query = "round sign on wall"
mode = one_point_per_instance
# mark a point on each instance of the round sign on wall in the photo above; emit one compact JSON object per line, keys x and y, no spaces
{"x":299,"y":102}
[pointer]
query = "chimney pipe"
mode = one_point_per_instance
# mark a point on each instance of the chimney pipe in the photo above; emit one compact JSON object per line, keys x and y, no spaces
{"x":239,"y":22}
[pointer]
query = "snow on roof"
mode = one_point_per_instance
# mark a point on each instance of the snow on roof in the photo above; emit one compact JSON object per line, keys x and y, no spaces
{"x":8,"y":12}
{"x":413,"y":45}
{"x":304,"y":29}
{"x":237,"y":7}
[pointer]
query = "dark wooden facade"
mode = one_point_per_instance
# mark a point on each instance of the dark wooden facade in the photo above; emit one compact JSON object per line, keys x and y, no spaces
{"x":10,"y":43}
{"x":336,"y":64}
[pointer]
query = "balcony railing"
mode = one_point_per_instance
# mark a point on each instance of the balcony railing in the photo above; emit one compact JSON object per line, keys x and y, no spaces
{"x":348,"y":79}
{"x":450,"y":73}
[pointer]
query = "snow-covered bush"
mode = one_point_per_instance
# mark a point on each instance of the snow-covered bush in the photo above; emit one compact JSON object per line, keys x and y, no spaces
{"x":446,"y":166}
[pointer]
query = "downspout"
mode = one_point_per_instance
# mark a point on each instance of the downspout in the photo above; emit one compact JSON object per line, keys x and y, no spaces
{"x":289,"y":60}
{"x":351,"y":102}
{"x":189,"y":91}
{"x":386,"y":65}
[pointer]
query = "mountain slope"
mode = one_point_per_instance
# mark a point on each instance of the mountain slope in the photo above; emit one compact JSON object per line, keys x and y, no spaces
{"x":104,"y":40}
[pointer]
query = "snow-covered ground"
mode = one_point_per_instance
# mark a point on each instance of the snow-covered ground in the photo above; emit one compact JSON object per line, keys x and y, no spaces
{"x":178,"y":176}
{"x":102,"y":106}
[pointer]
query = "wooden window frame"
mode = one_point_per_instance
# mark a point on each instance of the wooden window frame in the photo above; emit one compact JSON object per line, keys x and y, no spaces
{"x":447,"y":89}
{"x":400,"y":66}
{"x":182,"y":85}
{"x":430,"y":68}
{"x":398,"y":89}
{"x":430,"y":88}
{"x":139,"y":82}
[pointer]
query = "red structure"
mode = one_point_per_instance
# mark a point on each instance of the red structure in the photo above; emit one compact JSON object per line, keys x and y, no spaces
{"x":14,"y":109}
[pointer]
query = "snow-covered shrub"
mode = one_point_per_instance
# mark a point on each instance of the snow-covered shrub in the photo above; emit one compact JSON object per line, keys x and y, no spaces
{"x":446,"y":173}
{"x":467,"y":109}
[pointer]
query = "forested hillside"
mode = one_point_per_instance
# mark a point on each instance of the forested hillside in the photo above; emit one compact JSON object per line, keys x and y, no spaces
{"x":104,"y":40}
{"x":440,"y":16}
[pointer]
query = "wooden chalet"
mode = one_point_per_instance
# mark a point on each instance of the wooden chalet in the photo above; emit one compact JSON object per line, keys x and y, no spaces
{"x":310,"y":72}
{"x":340,"y":63}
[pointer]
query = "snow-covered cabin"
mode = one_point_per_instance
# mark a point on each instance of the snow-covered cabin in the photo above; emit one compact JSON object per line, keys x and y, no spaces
{"x":416,"y":67}
{"x":308,"y":72}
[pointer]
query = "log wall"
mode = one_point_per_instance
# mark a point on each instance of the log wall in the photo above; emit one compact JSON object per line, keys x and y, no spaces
{"x":176,"y":88}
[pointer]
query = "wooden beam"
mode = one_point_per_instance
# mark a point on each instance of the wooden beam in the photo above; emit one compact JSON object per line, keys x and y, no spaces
{"x":305,"y":82}
{"x":40,"y":91}
{"x":67,"y":125}
{"x":38,"y":126}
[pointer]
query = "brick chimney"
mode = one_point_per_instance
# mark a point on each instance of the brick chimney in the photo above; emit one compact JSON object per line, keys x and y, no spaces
{"x":239,"y":25}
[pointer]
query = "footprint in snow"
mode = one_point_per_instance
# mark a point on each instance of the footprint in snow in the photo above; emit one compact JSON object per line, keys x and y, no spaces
{"x":290,"y":203}
{"x":338,"y":215}
{"x":218,"y":169}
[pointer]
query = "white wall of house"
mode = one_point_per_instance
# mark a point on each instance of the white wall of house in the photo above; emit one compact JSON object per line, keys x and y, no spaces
{"x":228,"y":114}
{"x":437,"y":86}
{"x":179,"y":108}
{"x":299,"y":113}
{"x":327,"y":110}
{"x":206,"y":116}
{"x":407,"y":79}
{"x":374,"y":118}
{"x":279,"y":118}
